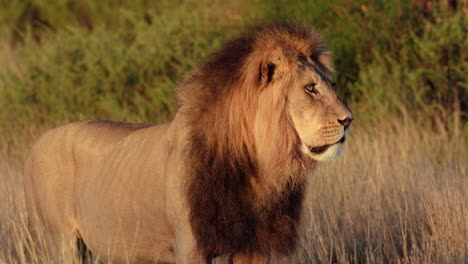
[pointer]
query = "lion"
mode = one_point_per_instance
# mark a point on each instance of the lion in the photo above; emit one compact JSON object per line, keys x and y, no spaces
{"x":225,"y":178}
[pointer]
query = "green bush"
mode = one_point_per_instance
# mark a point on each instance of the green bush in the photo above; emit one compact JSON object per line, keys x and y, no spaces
{"x":125,"y":74}
{"x":81,"y":59}
{"x":427,"y":75}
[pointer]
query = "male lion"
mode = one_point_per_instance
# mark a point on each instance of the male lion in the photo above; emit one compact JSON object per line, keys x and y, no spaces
{"x":225,"y":177}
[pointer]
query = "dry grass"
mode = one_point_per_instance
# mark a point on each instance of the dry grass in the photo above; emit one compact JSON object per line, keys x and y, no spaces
{"x":399,"y":195}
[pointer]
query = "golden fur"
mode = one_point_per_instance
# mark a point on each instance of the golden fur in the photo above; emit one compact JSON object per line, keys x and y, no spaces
{"x":225,"y":177}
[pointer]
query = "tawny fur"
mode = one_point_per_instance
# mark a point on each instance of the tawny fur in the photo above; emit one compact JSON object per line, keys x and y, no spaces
{"x":225,"y":177}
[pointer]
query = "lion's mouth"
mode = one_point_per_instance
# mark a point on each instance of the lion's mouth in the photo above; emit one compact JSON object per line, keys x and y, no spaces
{"x":321,"y":149}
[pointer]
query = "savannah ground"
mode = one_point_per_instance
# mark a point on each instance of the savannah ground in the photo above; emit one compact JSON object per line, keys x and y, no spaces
{"x":399,"y":194}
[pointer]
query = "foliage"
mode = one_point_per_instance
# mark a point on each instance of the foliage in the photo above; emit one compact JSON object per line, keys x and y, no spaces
{"x":108,"y":72}
{"x":82,"y":59}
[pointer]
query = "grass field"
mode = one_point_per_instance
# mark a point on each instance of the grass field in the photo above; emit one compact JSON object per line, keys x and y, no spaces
{"x":398,"y":195}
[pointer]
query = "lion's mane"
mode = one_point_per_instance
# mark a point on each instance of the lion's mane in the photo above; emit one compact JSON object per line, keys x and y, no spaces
{"x":220,"y":102}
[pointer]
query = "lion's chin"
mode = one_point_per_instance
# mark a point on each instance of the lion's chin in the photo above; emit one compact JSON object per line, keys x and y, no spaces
{"x":326,"y":152}
{"x":331,"y":153}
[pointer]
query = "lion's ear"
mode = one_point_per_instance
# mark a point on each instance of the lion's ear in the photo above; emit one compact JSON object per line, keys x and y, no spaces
{"x":268,"y":72}
{"x":272,"y":66}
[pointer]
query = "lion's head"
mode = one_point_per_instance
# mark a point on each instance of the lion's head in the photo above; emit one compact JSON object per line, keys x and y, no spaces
{"x":319,"y":117}
{"x":259,"y":113}
{"x":268,"y":95}
{"x":296,"y":79}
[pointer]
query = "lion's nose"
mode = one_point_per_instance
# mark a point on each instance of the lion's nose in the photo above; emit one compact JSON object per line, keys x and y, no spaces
{"x":346,"y":122}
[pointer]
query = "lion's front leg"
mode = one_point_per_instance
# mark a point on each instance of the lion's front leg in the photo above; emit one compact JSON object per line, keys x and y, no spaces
{"x":249,"y":259}
{"x":186,"y":253}
{"x":186,"y":247}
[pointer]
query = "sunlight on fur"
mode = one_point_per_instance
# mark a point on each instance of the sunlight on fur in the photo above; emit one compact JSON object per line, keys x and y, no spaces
{"x":225,"y":178}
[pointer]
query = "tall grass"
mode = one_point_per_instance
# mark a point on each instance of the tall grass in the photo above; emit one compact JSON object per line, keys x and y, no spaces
{"x":398,"y":195}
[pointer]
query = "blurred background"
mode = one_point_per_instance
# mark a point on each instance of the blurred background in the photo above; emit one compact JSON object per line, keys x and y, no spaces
{"x":401,"y":66}
{"x":65,"y":60}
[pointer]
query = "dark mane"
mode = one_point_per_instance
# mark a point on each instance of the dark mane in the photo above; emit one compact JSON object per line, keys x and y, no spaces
{"x":219,"y":102}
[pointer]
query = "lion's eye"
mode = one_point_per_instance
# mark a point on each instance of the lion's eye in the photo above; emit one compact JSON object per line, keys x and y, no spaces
{"x":333,"y":84}
{"x":310,"y":88}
